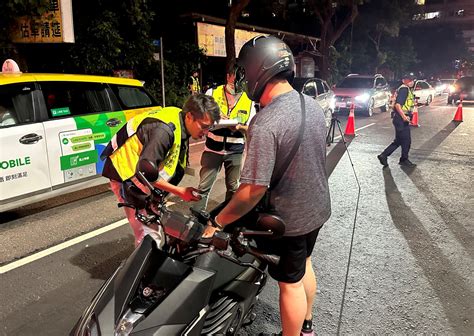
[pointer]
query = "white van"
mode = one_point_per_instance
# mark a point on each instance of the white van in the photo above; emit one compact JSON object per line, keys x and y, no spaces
{"x":53,"y":128}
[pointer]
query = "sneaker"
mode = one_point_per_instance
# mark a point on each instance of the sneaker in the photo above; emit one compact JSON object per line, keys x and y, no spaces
{"x":307,"y":329}
{"x":383,"y":160}
{"x":406,"y":163}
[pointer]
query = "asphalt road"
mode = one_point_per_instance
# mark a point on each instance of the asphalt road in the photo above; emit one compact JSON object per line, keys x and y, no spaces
{"x":411,"y":262}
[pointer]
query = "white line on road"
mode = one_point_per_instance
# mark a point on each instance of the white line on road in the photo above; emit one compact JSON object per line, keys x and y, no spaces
{"x":196,"y":143}
{"x":21,"y":262}
{"x":357,"y":129}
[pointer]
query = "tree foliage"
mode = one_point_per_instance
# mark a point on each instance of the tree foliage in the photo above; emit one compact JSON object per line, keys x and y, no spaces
{"x":333,"y":18}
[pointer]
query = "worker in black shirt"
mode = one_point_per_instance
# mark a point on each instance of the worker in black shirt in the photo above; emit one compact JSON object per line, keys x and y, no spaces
{"x":401,"y":114}
{"x":161,"y":136}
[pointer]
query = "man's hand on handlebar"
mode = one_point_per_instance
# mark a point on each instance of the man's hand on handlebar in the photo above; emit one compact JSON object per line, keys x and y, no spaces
{"x":188,"y":194}
{"x":210,"y":230}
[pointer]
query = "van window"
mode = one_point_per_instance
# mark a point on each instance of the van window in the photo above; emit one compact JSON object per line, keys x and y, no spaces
{"x":75,"y":98}
{"x":133,"y":97}
{"x":16,"y":104}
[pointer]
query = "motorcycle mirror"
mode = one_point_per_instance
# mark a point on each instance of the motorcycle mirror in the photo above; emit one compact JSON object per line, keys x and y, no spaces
{"x":148,"y":169}
{"x":271,"y":222}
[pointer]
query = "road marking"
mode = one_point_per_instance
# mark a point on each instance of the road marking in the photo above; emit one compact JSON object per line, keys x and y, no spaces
{"x":196,"y":143}
{"x":26,"y":260}
{"x":358,"y":129}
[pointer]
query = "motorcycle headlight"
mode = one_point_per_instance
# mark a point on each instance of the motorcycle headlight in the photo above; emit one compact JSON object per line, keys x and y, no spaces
{"x":452,"y":88}
{"x":362,"y":98}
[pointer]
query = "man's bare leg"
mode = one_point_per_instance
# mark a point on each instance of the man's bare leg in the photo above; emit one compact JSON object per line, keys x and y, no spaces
{"x":293,"y":307}
{"x":310,"y":286}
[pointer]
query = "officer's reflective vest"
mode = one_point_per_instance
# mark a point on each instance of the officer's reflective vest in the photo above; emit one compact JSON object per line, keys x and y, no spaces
{"x":126,"y":146}
{"x":224,"y":138}
{"x":409,"y":104}
{"x":195,"y":87}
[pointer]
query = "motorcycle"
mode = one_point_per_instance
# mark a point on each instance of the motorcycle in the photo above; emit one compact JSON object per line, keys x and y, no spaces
{"x":183,"y":284}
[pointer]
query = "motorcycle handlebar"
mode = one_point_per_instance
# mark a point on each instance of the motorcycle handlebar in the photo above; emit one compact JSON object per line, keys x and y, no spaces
{"x":269,"y":258}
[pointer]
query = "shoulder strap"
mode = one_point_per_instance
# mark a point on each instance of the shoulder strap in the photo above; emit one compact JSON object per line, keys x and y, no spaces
{"x":284,"y":167}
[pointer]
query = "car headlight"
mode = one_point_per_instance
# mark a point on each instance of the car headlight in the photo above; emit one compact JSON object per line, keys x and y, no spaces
{"x":362,"y":98}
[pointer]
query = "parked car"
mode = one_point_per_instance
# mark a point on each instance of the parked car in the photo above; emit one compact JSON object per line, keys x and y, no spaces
{"x":54,"y":128}
{"x":366,"y":93}
{"x":424,"y":92}
{"x":320,"y":91}
{"x":464,"y":87}
{"x":449,"y":84}
{"x":438,"y":85}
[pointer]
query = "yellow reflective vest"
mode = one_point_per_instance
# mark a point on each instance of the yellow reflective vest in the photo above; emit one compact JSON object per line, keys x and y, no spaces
{"x":409,"y":104}
{"x":195,"y":87}
{"x":225,"y":139}
{"x":127,"y":147}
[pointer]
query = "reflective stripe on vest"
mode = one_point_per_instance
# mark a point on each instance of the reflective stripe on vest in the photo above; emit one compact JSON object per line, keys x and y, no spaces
{"x":409,"y":104}
{"x":219,"y":138}
{"x":127,"y":147}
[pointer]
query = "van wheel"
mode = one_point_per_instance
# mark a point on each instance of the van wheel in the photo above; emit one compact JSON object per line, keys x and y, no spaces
{"x":429,"y":100}
{"x":370,"y":108}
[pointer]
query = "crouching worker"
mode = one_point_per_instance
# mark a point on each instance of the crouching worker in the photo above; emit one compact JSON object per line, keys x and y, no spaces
{"x":161,"y":136}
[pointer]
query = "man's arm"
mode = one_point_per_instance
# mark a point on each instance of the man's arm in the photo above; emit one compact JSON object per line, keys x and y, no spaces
{"x":158,"y":139}
{"x":244,"y":200}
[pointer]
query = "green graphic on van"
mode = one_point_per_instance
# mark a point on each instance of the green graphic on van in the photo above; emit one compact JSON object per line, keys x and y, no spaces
{"x":88,"y":137}
{"x":98,"y":124}
{"x":60,"y":111}
{"x":65,"y":141}
{"x":81,"y":146}
{"x":78,"y":159}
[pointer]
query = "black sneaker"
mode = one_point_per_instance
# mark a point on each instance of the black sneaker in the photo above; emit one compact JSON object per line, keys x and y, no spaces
{"x":406,"y":163}
{"x":383,"y":160}
{"x":307,"y":329}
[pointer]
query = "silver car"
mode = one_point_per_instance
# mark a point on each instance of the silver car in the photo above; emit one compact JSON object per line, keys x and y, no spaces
{"x":320,"y":91}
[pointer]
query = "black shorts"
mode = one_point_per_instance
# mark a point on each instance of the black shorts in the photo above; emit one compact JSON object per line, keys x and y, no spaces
{"x":293,"y":252}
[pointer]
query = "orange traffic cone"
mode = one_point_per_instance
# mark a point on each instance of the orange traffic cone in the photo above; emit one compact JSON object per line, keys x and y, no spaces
{"x":458,"y":115}
{"x":350,"y":122}
{"x":414,"y":118}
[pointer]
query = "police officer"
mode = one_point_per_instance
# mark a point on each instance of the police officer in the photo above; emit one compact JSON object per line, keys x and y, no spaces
{"x":161,"y":136}
{"x":225,"y":146}
{"x":401,"y":114}
{"x":193,"y":85}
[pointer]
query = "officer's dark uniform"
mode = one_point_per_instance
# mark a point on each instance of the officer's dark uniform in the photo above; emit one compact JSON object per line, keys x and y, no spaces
{"x":406,"y":99}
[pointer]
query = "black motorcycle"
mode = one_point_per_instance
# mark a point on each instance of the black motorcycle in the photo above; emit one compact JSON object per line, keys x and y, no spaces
{"x":190,"y":285}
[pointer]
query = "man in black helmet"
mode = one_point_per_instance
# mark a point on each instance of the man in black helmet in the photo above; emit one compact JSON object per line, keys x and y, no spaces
{"x":301,"y":196}
{"x":402,"y":112}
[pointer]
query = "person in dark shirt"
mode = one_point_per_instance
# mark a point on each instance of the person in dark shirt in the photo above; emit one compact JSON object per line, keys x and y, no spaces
{"x":402,"y":112}
{"x":161,"y":136}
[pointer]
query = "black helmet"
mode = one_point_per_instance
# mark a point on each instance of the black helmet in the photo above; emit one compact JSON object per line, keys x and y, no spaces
{"x":261,"y":59}
{"x":409,"y":76}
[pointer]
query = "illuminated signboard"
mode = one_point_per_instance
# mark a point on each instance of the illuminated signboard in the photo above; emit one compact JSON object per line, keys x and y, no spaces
{"x":53,"y":26}
{"x":211,"y":38}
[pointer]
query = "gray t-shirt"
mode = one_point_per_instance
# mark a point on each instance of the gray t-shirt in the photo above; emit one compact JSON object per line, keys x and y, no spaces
{"x":302,"y":195}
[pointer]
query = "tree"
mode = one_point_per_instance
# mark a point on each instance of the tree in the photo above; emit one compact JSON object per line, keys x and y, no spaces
{"x":333,"y":18}
{"x":382,"y":18}
{"x":234,"y":13}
